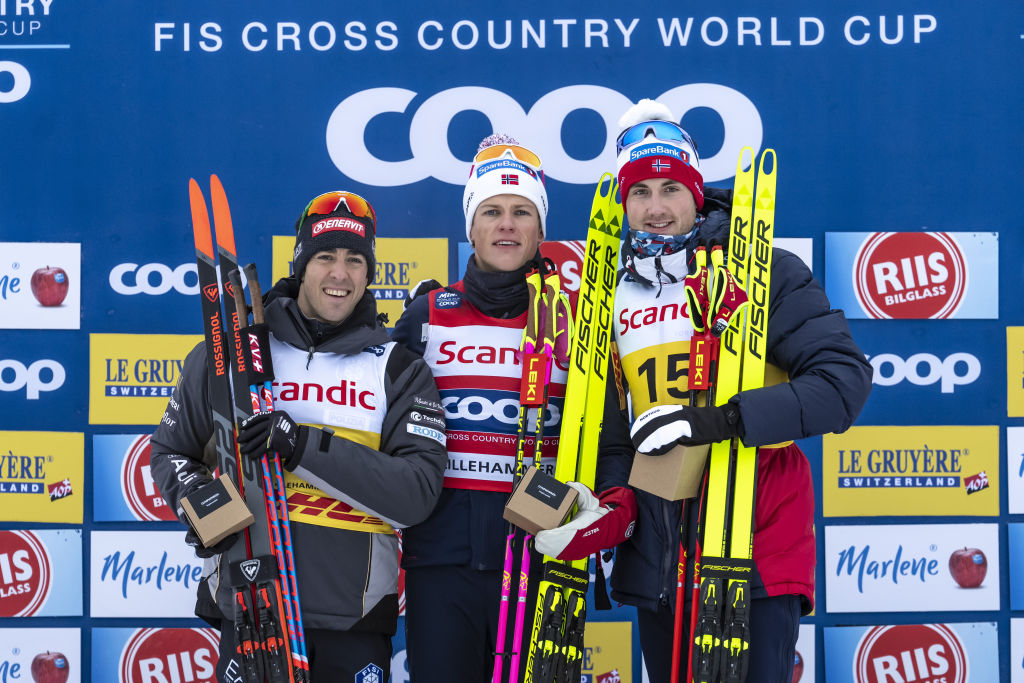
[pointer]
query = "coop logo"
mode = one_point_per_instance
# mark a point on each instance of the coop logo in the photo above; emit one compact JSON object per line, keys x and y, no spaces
{"x":21,"y":82}
{"x":137,"y":487}
{"x":37,"y":377}
{"x":25,"y":574}
{"x":931,"y":653}
{"x":925,"y":369}
{"x":432,"y":157}
{"x":170,"y":655}
{"x":910,"y":275}
{"x":391,"y":280}
{"x":492,"y":411}
{"x":154,"y":279}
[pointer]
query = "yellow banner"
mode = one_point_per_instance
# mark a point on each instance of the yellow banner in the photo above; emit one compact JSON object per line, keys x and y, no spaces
{"x":1015,"y":371}
{"x":401,"y":263}
{"x":41,"y":476}
{"x":926,"y":470}
{"x":131,"y":376}
{"x":608,"y":652}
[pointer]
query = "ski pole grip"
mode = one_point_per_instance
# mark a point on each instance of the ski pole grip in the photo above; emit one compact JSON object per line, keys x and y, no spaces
{"x":255,"y":293}
{"x":235,"y":280}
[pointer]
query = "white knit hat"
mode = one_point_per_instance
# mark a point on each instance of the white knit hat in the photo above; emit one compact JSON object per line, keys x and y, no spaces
{"x":506,"y":174}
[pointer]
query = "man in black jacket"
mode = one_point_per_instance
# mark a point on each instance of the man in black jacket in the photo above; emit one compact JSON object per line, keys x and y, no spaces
{"x":360,"y":431}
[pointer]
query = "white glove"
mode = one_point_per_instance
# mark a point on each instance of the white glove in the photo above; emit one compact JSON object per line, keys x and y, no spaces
{"x":552,"y":542}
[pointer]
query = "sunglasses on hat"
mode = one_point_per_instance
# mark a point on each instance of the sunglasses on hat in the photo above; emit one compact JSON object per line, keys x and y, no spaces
{"x":329,"y":202}
{"x":497,"y":151}
{"x":663,"y":130}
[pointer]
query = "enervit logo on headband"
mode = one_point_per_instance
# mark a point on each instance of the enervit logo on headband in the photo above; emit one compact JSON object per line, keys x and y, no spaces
{"x":541,"y":128}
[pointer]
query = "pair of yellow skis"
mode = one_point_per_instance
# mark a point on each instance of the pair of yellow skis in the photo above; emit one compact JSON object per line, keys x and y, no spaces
{"x":721,"y":631}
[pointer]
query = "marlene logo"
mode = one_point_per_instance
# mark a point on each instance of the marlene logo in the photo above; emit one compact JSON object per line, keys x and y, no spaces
{"x":170,"y":654}
{"x":860,"y":562}
{"x":910,"y":652}
{"x":24,"y":574}
{"x":910,"y":275}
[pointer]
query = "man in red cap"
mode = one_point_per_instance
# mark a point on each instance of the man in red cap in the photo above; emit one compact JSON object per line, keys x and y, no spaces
{"x":669,"y":211}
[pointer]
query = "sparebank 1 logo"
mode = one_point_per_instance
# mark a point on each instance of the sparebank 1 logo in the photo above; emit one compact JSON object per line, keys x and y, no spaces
{"x":170,"y":655}
{"x":25,"y":574}
{"x":137,"y":484}
{"x":910,"y":275}
{"x":432,"y":157}
{"x":910,"y":652}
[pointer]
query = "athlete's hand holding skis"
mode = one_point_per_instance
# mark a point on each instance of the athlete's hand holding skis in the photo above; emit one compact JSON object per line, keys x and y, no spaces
{"x":270,"y":432}
{"x":660,"y":428}
{"x":601,"y":522}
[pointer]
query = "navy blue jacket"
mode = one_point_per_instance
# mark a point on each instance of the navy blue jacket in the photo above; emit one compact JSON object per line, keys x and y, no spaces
{"x":829,"y":382}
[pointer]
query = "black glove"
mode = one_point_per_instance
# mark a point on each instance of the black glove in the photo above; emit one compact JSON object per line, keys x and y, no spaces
{"x":419,"y":289}
{"x":662,"y":427}
{"x":219,"y":547}
{"x":272,"y":432}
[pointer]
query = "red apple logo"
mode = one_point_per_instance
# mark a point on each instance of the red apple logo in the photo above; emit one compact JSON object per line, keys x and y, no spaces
{"x":968,"y":567}
{"x":50,"y":285}
{"x":50,"y":667}
{"x":798,"y":666}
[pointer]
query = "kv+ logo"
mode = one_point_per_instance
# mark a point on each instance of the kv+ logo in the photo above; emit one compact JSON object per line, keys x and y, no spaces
{"x":955,"y":370}
{"x":14,"y":376}
{"x":154,"y":278}
{"x":542,"y":126}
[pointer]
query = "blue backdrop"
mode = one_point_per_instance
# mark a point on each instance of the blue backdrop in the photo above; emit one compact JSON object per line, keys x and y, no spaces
{"x":886,"y":117}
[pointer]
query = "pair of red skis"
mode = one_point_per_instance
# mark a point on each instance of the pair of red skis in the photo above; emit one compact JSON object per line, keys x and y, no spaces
{"x":267,"y":618}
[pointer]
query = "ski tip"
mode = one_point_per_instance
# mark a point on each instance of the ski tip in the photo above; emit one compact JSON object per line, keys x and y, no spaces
{"x":200,"y":219}
{"x":746,"y":160}
{"x":221,"y":215}
{"x":764,"y":169}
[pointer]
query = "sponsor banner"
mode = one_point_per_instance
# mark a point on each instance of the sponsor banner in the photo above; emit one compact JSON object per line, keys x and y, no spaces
{"x":872,"y":471}
{"x":154,"y":279}
{"x":43,"y":655}
{"x":149,"y":574}
{"x":1016,"y":650}
{"x":1015,"y":371}
{"x":804,"y":668}
{"x":401,"y":264}
{"x":42,"y":476}
{"x":568,"y":257}
{"x":40,"y":285}
{"x":944,"y":372}
{"x":913,"y":275}
{"x":912,"y":568}
{"x":928,"y":653}
{"x":40,"y":573}
{"x":131,"y":376}
{"x":122,"y":483}
{"x":1015,"y":469}
{"x":155,"y":655}
{"x":607,"y":652}
{"x":1015,"y":535}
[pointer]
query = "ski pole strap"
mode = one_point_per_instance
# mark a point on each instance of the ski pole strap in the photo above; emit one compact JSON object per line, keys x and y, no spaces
{"x":696,"y":287}
{"x":531,"y":332}
{"x":601,"y":599}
